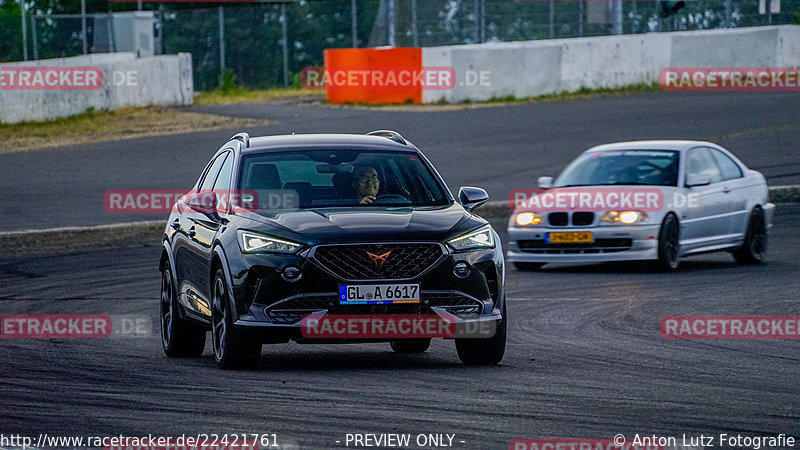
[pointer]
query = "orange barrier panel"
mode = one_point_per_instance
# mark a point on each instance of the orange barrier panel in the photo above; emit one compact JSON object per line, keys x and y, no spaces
{"x":367,"y":75}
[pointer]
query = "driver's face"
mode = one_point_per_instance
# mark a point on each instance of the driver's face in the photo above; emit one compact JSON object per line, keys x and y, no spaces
{"x":367,"y":182}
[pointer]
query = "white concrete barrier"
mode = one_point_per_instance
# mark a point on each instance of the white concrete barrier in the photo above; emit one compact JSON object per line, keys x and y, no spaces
{"x":532,"y":68}
{"x":127,"y":81}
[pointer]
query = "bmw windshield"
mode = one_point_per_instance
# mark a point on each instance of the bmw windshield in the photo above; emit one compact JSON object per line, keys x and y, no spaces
{"x":337,"y":178}
{"x":624,"y":167}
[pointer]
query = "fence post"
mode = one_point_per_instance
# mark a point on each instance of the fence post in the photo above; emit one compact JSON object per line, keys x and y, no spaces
{"x":285,"y":46}
{"x":34,"y":37}
{"x":355,"y":22}
{"x":83,"y":27}
{"x":221,"y":45}
{"x":414,"y":28}
{"x":24,"y":30}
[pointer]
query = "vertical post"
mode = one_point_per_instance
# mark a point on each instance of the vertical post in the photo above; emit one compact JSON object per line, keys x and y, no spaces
{"x":635,"y":20}
{"x":769,"y":12}
{"x":414,"y":28}
{"x":552,"y":19}
{"x":139,"y":5}
{"x":480,"y":21}
{"x":34,"y":37}
{"x":390,"y":22}
{"x":112,"y":42}
{"x":285,"y":46}
{"x":354,"y":19}
{"x":580,"y":17}
{"x":728,"y":12}
{"x":24,"y":31}
{"x":616,"y":13}
{"x":221,"y":45}
{"x":83,"y":27}
{"x":658,"y":15}
{"x":483,"y":21}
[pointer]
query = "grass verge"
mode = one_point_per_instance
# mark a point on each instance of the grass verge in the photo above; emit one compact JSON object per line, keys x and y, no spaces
{"x":443,"y":105}
{"x":101,"y":126}
{"x":240,"y":95}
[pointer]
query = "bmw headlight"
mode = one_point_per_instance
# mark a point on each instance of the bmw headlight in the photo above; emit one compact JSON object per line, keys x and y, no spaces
{"x":625,"y":217}
{"x":527,"y":218}
{"x":250,"y":242}
{"x":480,"y":238}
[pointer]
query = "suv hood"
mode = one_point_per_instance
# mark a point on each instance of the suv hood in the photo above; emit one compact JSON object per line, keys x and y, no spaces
{"x":368,"y":223}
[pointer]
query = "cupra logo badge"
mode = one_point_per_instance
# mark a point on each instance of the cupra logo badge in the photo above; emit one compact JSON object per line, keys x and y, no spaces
{"x":379,"y":260}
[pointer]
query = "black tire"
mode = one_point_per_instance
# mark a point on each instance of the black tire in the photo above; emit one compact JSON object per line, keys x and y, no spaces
{"x":411,"y":345}
{"x":232,"y":349}
{"x":487,"y":351}
{"x":754,"y":247}
{"x":669,"y":250}
{"x":179,"y":339}
{"x":528,"y":266}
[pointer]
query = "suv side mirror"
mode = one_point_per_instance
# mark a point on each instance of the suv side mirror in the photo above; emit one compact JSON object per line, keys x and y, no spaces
{"x":698,"y":179}
{"x":203,"y":202}
{"x":545,"y":182}
{"x":472,"y":197}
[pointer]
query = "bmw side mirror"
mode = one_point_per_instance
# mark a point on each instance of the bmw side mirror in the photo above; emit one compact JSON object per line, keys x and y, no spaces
{"x":472,"y":197}
{"x":698,"y":179}
{"x":545,"y":182}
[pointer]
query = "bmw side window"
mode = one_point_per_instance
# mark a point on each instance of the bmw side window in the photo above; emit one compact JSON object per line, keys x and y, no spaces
{"x":727,"y":166}
{"x":211,"y":175}
{"x":700,"y":162}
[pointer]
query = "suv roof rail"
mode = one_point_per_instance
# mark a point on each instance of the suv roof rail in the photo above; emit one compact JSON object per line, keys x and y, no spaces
{"x":244,"y":137}
{"x":388,"y":134}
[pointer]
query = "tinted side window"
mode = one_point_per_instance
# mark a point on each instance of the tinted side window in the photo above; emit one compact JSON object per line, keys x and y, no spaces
{"x":700,"y":161}
{"x":212,"y":173}
{"x":224,"y":179}
{"x":727,"y":166}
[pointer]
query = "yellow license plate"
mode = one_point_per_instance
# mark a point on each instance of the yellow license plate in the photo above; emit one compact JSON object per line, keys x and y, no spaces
{"x":570,"y":237}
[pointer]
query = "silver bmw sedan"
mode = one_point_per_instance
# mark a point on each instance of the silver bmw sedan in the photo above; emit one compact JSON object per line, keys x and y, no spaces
{"x":643,"y":200}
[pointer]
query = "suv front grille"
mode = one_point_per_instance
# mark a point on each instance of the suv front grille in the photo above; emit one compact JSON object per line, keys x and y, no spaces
{"x":373,"y":261}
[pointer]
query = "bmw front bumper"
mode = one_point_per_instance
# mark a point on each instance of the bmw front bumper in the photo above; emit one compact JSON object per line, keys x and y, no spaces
{"x":610,"y":243}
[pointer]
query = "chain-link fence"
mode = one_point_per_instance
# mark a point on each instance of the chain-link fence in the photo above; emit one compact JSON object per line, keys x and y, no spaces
{"x":253,"y":32}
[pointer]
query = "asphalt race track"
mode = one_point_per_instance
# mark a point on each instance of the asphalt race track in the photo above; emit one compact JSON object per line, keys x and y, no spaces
{"x":585,"y":359}
{"x":498,"y":149}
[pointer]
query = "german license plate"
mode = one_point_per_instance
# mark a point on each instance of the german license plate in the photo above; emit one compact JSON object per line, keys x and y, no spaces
{"x":569,"y":237}
{"x":378,"y":294}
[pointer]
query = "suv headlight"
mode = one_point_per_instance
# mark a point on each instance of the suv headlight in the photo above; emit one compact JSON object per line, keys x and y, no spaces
{"x":480,"y":238}
{"x":250,"y":242}
{"x":626,"y":217}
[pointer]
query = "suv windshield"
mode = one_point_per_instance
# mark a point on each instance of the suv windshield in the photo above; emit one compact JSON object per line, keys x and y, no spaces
{"x":647,"y":167}
{"x":339,"y":178}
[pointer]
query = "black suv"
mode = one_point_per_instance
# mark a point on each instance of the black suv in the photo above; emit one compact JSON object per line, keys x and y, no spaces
{"x":281,"y":229}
